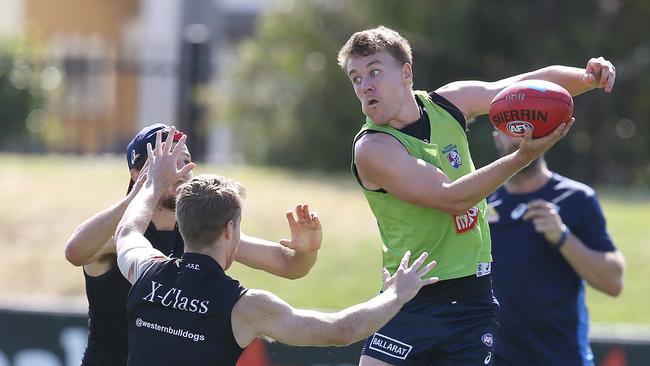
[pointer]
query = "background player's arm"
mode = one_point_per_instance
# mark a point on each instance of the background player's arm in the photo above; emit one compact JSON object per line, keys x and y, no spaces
{"x":134,"y":251}
{"x":289,"y":258}
{"x":94,"y":237}
{"x":262,"y":313}
{"x":603,"y":270}
{"x":382,"y":161}
{"x":473,"y":97}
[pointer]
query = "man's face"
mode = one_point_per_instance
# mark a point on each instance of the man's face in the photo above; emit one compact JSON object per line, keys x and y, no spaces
{"x":381,"y":83}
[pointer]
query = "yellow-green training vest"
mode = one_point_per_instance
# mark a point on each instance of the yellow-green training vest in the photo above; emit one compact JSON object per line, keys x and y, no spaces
{"x":457,"y":243}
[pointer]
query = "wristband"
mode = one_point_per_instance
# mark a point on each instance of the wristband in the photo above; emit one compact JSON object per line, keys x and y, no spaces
{"x":563,"y":238}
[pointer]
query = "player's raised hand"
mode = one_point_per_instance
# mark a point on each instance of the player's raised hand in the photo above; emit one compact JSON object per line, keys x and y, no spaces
{"x":163,"y":170}
{"x":545,"y":219}
{"x":530,"y":149}
{"x":306,"y":231}
{"x":407,"y":280}
{"x":600,"y":73}
{"x":139,"y":182}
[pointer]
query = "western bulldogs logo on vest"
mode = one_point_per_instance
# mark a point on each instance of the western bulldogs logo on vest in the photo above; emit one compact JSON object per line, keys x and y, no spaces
{"x":453,"y":156}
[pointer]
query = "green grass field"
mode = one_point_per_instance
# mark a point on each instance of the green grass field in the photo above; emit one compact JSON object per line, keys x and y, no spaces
{"x":46,"y":197}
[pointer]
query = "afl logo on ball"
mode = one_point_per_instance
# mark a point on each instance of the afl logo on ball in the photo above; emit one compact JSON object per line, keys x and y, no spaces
{"x":518,"y":127}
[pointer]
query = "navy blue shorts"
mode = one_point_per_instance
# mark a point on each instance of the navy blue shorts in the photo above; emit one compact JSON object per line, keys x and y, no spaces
{"x":453,"y":333}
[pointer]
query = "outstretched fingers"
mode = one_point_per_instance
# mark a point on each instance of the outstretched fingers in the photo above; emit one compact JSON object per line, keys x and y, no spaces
{"x":386,"y":279}
{"x":291,"y":219}
{"x":426,"y":269}
{"x":306,"y":217}
{"x":149,"y":152}
{"x":315,"y":222}
{"x":418,"y":262}
{"x":158,"y":147}
{"x":385,"y":275}
{"x":142,"y":177}
{"x":430,"y":281}
{"x":144,"y":170}
{"x":169,"y":141}
{"x":421,"y":270}
{"x":300,"y":214}
{"x":405,"y":260}
{"x":305,"y":212}
{"x":186,"y":169}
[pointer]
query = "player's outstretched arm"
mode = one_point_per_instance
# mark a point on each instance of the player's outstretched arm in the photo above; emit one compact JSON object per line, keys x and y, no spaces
{"x":473,"y":97}
{"x":288,"y":258}
{"x":262,"y":313}
{"x":383,"y":162}
{"x":94,"y":237}
{"x":134,"y":252}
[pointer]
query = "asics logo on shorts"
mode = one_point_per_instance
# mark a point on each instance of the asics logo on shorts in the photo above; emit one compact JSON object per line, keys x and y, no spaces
{"x":488,"y":358}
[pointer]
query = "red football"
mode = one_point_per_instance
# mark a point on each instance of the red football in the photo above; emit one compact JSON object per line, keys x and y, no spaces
{"x":537,"y":104}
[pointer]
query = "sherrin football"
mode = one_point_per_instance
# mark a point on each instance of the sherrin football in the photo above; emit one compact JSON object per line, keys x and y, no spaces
{"x":537,"y":104}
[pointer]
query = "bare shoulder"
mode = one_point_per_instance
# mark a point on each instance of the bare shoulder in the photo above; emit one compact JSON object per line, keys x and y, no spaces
{"x":379,"y":156}
{"x":376,"y":147}
{"x":253,"y":298}
{"x":255,"y":303}
{"x":258,"y":296}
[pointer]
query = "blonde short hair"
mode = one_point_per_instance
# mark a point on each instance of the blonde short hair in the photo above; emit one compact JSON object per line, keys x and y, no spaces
{"x":371,"y":41}
{"x":204,"y":207}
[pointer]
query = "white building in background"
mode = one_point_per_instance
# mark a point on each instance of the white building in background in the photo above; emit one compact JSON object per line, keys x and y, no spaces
{"x":11,"y":17}
{"x":152,"y":38}
{"x":130,"y":63}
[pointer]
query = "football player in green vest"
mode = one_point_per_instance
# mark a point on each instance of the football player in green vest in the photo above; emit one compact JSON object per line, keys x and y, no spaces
{"x":412,"y":160}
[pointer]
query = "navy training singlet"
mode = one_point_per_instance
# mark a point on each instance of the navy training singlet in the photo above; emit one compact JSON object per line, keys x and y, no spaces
{"x":107,"y":294}
{"x":179,"y":313}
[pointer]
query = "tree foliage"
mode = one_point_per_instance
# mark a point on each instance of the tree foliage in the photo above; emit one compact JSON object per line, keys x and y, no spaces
{"x":20,"y":95}
{"x":293,"y":106}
